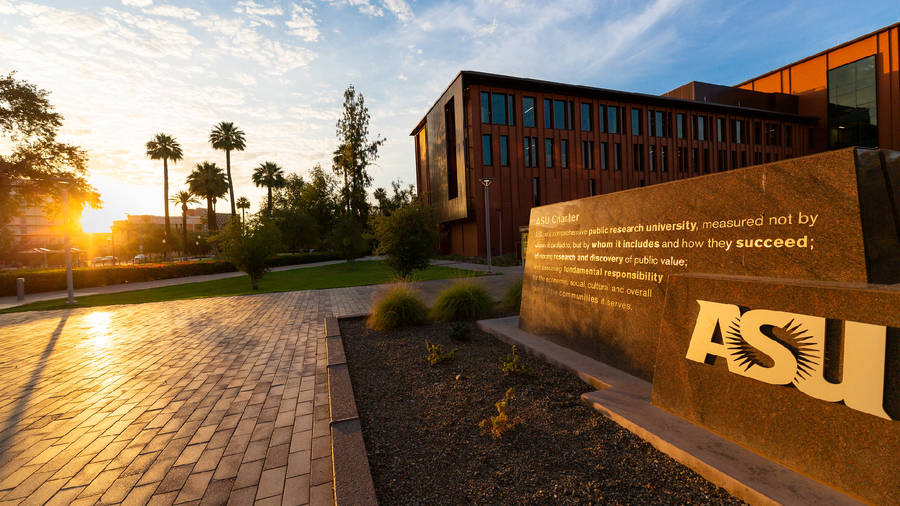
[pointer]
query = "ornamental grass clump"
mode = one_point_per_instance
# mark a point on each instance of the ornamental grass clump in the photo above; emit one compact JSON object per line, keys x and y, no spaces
{"x":512,"y":301}
{"x":463,"y":301}
{"x":399,"y":307}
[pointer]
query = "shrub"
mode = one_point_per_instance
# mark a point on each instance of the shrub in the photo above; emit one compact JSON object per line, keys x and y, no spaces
{"x":512,"y":300}
{"x":397,"y":308}
{"x":248,"y":246}
{"x":459,"y":332}
{"x":407,"y":237}
{"x":500,"y":423}
{"x":348,"y":239}
{"x":463,"y":301}
{"x":513,"y":363}
{"x":436,"y":353}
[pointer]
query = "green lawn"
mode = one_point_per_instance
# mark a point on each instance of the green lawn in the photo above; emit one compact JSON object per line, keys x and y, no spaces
{"x":309,"y":278}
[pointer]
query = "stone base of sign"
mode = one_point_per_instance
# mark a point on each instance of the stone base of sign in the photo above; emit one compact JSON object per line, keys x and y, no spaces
{"x":626,"y":400}
{"x":831,"y":441}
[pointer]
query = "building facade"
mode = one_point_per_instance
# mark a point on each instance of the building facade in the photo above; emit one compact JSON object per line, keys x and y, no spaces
{"x":542,"y":142}
{"x":33,"y":228}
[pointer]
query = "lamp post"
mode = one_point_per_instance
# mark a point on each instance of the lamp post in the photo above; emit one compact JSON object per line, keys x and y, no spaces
{"x":70,"y":287}
{"x":486,"y":181}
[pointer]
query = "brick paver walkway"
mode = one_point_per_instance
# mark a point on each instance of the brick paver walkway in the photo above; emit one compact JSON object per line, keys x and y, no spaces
{"x":207,"y":401}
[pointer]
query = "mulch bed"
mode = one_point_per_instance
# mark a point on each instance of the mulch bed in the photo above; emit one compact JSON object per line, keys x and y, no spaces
{"x":420,"y":425}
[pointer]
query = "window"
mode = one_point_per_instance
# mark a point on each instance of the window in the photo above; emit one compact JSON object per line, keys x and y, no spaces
{"x":651,"y":157}
{"x":722,"y":160}
{"x":757,"y":158}
{"x":450,"y":146}
{"x":485,"y":107}
{"x":528,"y":111}
{"x":679,"y":125}
{"x":592,"y":187}
{"x":757,"y":132}
{"x":696,"y":160}
{"x":706,"y":165}
{"x":587,"y":154}
{"x":657,"y":123}
{"x":720,"y":129}
{"x":772,"y":134}
{"x":569,"y":116}
{"x":617,"y":156}
{"x":486,"y":149}
{"x":852,"y":105}
{"x":682,"y":163}
{"x":664,"y":158}
{"x":734,"y":163}
{"x":738,"y":131}
{"x":788,"y":136}
{"x":548,"y":153}
{"x":743,"y":158}
{"x":536,"y":191}
{"x":601,"y":114}
{"x":511,"y":109}
{"x":635,"y":121}
{"x":504,"y":150}
{"x":497,"y":108}
{"x":585,"y":117}
{"x":768,"y":157}
{"x":613,"y":121}
{"x":564,"y":153}
{"x":559,"y":114}
{"x":638,"y":158}
{"x":604,"y":147}
{"x":700,"y":127}
{"x":548,"y":113}
{"x":531,"y":156}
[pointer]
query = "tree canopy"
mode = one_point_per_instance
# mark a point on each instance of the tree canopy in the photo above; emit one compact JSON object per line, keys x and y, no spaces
{"x":354,"y":154}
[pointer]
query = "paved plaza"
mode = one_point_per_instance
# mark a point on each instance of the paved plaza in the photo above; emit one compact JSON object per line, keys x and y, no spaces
{"x":207,"y":401}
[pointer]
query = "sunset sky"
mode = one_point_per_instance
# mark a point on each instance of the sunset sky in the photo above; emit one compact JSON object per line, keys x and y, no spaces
{"x":120,"y":71}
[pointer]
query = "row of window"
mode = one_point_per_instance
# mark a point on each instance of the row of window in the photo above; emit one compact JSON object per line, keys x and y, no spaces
{"x":499,"y":109}
{"x":657,"y":156}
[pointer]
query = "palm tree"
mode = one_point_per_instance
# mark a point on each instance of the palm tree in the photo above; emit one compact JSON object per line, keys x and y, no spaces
{"x":270,"y":175}
{"x":242,"y":204}
{"x":227,"y":137}
{"x":208,"y":181}
{"x":184,"y":198}
{"x":165,"y":147}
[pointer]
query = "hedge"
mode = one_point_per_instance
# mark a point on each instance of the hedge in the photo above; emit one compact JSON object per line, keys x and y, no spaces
{"x":48,"y":280}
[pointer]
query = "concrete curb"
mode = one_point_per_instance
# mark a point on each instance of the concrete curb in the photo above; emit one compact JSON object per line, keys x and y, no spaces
{"x":350,"y":463}
{"x":626,"y":400}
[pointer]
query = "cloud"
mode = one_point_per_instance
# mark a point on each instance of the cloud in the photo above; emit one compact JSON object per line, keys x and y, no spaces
{"x":239,"y":38}
{"x":173,"y":12}
{"x":400,"y":9}
{"x":302,"y":24}
{"x":137,"y":3}
{"x":254,"y":9}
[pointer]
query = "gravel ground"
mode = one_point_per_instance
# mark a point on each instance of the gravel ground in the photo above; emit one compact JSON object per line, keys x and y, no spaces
{"x":420,"y":425}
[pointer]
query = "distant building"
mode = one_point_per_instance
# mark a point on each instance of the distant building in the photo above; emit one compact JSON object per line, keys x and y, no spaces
{"x":136,"y":228}
{"x":543,"y":142}
{"x":32,"y":228}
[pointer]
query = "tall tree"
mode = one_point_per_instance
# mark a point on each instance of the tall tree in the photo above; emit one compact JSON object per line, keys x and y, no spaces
{"x":164,"y":147}
{"x":354,"y":154}
{"x":32,"y":162}
{"x":184,"y":198}
{"x":208,"y":181}
{"x":227,"y":137}
{"x":270,"y":175}
{"x":243,"y":204}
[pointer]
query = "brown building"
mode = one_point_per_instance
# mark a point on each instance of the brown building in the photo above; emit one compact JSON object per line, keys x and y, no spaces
{"x":543,"y":142}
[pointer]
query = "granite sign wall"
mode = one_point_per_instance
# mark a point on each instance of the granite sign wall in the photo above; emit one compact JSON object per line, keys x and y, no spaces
{"x":804,"y":372}
{"x":596,"y":269}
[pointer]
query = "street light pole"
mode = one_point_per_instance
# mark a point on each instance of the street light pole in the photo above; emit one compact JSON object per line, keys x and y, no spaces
{"x":486,"y":181}
{"x":69,"y":283}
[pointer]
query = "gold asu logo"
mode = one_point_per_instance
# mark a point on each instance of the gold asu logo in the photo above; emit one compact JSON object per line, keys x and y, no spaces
{"x":787,"y":348}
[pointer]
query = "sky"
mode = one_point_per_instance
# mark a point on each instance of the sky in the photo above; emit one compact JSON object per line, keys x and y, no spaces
{"x":120,"y":71}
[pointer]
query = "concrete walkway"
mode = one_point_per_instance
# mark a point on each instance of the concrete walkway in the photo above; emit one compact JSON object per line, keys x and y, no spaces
{"x":8,"y":302}
{"x":203,"y":401}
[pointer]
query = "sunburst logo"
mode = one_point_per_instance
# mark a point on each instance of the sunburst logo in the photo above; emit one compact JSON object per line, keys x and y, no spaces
{"x":782,"y":348}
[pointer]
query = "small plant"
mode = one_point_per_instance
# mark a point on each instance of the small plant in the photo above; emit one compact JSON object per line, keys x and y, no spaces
{"x":513,"y":363}
{"x":463,"y":301}
{"x":436,"y":353}
{"x":501,"y":422}
{"x":459,"y":332}
{"x":397,"y":308}
{"x":512,"y":301}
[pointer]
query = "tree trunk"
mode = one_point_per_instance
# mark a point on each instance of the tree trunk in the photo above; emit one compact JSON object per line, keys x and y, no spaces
{"x":210,"y":215}
{"x":184,"y":243}
{"x":230,"y":183}
{"x":254,"y":282}
{"x":269,"y":204}
{"x":166,"y":203}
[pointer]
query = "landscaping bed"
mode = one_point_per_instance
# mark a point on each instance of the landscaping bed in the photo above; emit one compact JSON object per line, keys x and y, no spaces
{"x":425,"y":446}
